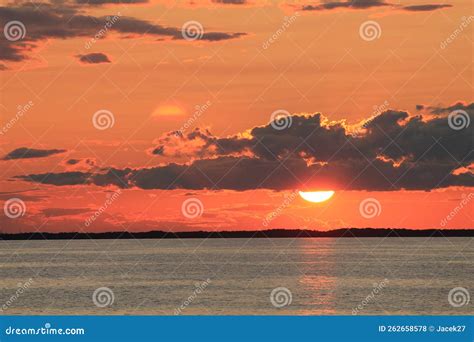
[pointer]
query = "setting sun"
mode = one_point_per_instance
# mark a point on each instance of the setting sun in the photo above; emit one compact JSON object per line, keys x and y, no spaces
{"x":316,"y":196}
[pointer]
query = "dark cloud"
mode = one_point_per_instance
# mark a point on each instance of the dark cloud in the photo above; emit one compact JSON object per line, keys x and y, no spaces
{"x":94,"y":58}
{"x":73,"y":161}
{"x":217,"y":36}
{"x":349,"y":4}
{"x":63,"y":22}
{"x":366,"y":4}
{"x":26,"y":153}
{"x":159,"y":150}
{"x":105,"y":2}
{"x":390,"y":152}
{"x":198,"y":143}
{"x":424,"y":8}
{"x":13,"y":52}
{"x":444,"y":110}
{"x":84,"y":164}
{"x":85,"y":161}
{"x":230,"y":2}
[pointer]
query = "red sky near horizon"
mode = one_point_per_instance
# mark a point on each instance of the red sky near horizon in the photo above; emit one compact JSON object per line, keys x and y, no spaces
{"x":112,"y":117}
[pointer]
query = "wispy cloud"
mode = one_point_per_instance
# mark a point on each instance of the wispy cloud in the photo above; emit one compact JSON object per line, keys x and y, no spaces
{"x":369,"y":4}
{"x":27,"y":153}
{"x":62,"y":21}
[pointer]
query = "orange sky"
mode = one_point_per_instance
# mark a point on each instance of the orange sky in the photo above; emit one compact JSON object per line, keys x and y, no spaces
{"x":281,"y":58}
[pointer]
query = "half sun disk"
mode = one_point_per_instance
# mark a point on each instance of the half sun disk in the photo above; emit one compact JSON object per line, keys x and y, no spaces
{"x":316,"y":196}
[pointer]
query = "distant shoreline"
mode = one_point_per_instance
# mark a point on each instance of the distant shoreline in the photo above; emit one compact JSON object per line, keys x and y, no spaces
{"x":271,"y":233}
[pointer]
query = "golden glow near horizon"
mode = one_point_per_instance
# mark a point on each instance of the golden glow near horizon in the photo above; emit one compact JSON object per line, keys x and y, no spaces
{"x":168,"y":110}
{"x":316,"y":196}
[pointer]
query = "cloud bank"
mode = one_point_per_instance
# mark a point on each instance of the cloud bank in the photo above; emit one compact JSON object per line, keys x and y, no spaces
{"x":392,"y":151}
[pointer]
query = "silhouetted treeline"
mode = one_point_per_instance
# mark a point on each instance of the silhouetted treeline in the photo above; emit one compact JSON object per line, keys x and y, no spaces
{"x":271,"y":233}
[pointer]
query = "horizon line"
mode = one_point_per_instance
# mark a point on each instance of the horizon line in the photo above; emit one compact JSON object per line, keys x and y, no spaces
{"x":267,"y":233}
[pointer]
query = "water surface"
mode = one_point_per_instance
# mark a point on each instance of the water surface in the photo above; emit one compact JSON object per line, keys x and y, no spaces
{"x":324,"y":276}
